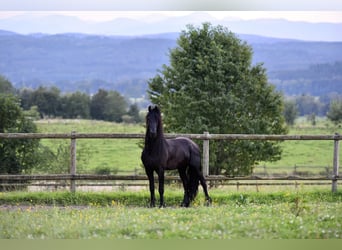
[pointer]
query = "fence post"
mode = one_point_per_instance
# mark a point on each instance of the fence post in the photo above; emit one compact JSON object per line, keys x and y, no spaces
{"x":335,"y":164}
{"x":206,"y":154}
{"x":73,"y":162}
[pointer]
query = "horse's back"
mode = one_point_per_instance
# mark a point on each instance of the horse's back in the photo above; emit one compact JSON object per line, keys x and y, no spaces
{"x":184,"y":150}
{"x":184,"y":142}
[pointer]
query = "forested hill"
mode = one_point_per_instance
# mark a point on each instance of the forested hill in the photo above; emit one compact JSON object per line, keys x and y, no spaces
{"x":89,"y":62}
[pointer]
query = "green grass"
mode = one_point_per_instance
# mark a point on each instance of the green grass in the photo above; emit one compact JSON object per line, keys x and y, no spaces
{"x":280,"y":215}
{"x":173,"y":197}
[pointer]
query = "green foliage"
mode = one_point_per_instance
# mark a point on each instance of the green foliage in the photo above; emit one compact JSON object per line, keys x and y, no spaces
{"x":210,"y":85}
{"x":104,"y":105}
{"x":16,"y":156}
{"x":335,"y":111}
{"x":76,"y":105}
{"x":54,"y":161}
{"x":47,"y":100}
{"x":6,"y":86}
{"x":308,"y":104}
{"x":134,"y":113}
{"x":108,"y":106}
{"x":32,"y":113}
{"x":50,"y":102}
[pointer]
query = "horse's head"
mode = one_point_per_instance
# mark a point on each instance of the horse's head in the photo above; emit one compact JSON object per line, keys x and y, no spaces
{"x":153,"y":121}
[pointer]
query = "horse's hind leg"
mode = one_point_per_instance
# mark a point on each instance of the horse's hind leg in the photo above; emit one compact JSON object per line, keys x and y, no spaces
{"x":205,"y":189}
{"x":204,"y":186}
{"x":184,"y":178}
{"x":195,"y":165}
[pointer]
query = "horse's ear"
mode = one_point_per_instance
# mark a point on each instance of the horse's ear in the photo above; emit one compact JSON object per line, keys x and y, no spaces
{"x":153,"y":107}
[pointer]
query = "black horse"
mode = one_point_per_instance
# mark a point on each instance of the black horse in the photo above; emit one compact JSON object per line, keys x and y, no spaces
{"x":160,"y":154}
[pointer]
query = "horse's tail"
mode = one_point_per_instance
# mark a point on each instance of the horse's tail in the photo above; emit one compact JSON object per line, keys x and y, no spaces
{"x":193,"y":183}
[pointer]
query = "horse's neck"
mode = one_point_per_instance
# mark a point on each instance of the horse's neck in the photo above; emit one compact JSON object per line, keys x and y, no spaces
{"x":155,"y":146}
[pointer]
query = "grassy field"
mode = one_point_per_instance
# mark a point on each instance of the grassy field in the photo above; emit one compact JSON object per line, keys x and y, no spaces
{"x":306,"y":156}
{"x":115,"y":154}
{"x":124,"y":155}
{"x":123,"y":215}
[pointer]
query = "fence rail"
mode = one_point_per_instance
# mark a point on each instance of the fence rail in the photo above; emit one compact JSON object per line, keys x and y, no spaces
{"x":206,"y":137}
{"x":96,"y":177}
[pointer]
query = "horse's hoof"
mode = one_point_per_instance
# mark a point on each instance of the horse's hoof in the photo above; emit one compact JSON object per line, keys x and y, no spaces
{"x":162,"y":205}
{"x":208,"y":202}
{"x":185,"y":204}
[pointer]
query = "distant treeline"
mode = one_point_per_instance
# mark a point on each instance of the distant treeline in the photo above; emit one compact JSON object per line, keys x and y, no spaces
{"x":104,"y":105}
{"x":308,"y":105}
{"x":316,"y":80}
{"x":110,"y":105}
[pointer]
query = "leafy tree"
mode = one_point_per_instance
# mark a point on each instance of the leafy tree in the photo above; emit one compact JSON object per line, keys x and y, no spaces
{"x":108,"y":106}
{"x":335,"y":111}
{"x":47,"y":100}
{"x":75,"y":105}
{"x":308,"y":104}
{"x":210,"y":85}
{"x":98,"y":104}
{"x":16,"y":156}
{"x":6,"y":86}
{"x":134,"y":113}
{"x":116,"y":107}
{"x":290,"y":112}
{"x":26,"y":98}
{"x":32,"y":113}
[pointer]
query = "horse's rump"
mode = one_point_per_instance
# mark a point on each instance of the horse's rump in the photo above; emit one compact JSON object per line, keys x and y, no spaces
{"x":182,"y":152}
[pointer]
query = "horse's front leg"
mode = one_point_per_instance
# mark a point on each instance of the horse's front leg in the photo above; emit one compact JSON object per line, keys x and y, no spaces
{"x":151,"y":182}
{"x":161,"y":187}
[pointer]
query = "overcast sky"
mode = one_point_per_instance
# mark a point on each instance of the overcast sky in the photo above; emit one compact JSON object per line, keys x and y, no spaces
{"x":309,"y":16}
{"x":194,"y":5}
{"x":104,"y":10}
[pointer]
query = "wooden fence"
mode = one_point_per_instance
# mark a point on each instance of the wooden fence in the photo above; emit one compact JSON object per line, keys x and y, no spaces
{"x":206,"y":137}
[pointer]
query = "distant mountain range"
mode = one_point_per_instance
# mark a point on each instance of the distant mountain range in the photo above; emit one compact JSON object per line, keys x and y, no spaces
{"x":56,"y":24}
{"x":79,"y":61}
